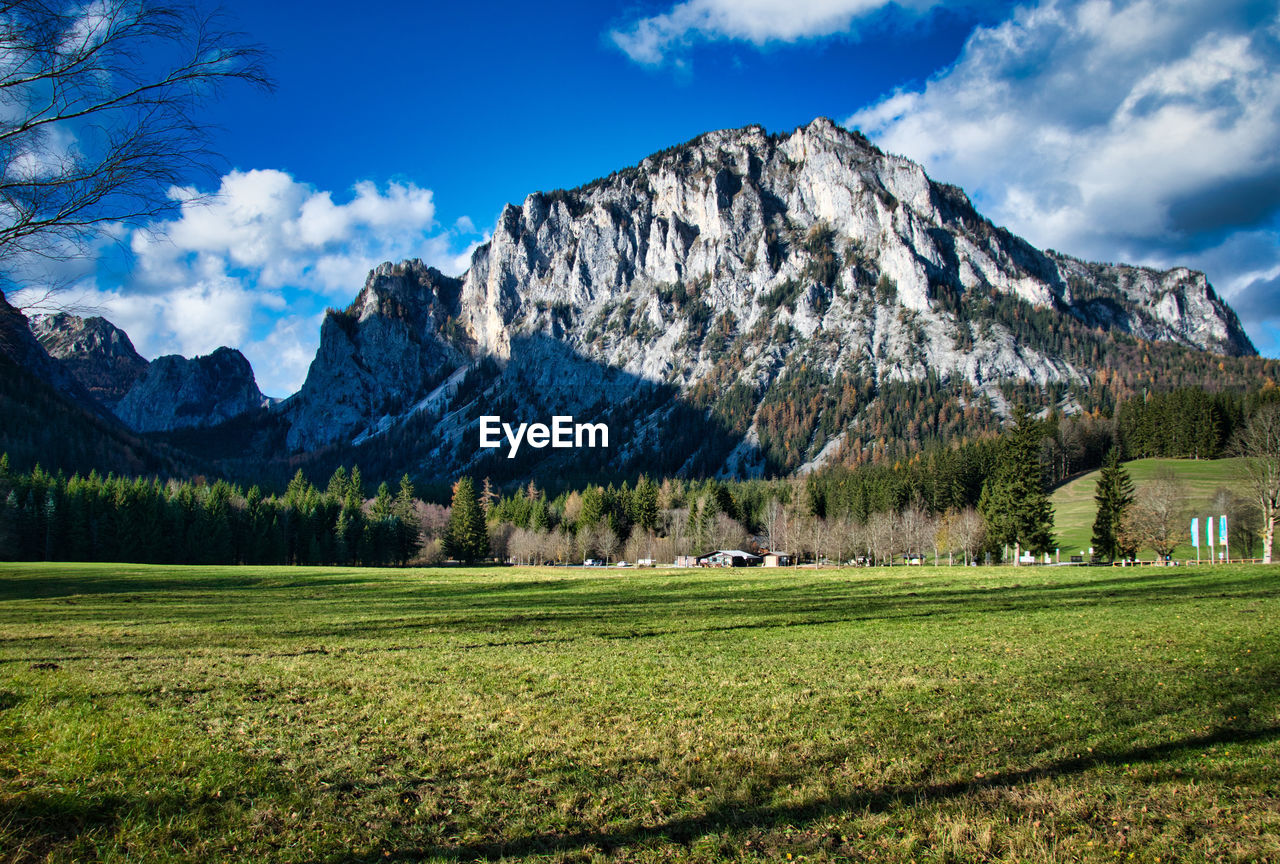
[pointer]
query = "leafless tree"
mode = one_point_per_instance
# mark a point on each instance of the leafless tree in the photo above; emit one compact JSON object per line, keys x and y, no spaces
{"x":100,"y":115}
{"x":586,"y":542}
{"x":560,"y":546}
{"x":882,"y":535}
{"x":1243,"y":519}
{"x":643,"y":544}
{"x":1259,"y":444}
{"x":677,"y":522}
{"x":434,"y":518}
{"x":518,"y":546}
{"x":847,"y":539}
{"x":968,"y":532}
{"x":774,"y":519}
{"x":1155,"y":519}
{"x":917,"y":530}
{"x":727,"y":532}
{"x":607,"y":542}
{"x":500,"y":539}
{"x":820,"y":538}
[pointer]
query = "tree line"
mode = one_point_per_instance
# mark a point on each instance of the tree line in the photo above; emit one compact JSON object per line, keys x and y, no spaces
{"x":977,"y":499}
{"x":52,"y":517}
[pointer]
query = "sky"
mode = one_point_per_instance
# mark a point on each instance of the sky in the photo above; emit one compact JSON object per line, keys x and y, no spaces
{"x":1112,"y":130}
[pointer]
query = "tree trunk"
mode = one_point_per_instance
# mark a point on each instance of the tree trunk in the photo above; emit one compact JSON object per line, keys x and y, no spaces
{"x":1268,"y":536}
{"x":1017,"y":552}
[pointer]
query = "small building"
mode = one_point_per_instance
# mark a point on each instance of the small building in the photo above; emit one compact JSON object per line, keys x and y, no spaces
{"x":778,"y":559}
{"x":728,"y":558}
{"x":686,"y":560}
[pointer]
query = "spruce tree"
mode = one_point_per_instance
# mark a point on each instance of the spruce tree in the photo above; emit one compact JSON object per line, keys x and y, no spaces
{"x":466,"y":537}
{"x":592,"y":512}
{"x":408,"y":531}
{"x":1014,"y":502}
{"x":645,"y":504}
{"x":1114,"y":495}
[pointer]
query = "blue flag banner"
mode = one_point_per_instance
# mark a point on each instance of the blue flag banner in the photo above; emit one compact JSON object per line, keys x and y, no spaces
{"x":1195,"y":532}
{"x":1222,"y":530}
{"x":1208,"y":530}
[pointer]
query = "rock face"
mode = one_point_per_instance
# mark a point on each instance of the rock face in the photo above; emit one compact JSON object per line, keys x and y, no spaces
{"x":397,"y":341}
{"x":177,"y":393}
{"x":98,"y":354}
{"x":745,"y":274}
{"x":20,"y":347}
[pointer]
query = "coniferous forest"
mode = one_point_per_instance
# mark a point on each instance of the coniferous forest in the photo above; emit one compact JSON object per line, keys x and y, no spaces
{"x":94,"y":518}
{"x":91,"y":517}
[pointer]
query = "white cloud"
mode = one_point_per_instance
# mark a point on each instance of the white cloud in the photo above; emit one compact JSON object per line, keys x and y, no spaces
{"x":190,"y":319}
{"x":284,"y":231}
{"x":650,"y":40}
{"x":280,"y":360}
{"x":1137,"y":130}
{"x":253,"y":266}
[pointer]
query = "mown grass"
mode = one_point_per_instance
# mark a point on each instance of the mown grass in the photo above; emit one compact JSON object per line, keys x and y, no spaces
{"x":906,"y":714}
{"x":1075,"y":509}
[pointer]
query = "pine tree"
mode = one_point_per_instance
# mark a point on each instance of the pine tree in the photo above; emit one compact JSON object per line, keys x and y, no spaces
{"x":1014,"y":503}
{"x":379,"y":534}
{"x":539,"y":517}
{"x":644,"y":504}
{"x":341,"y":528}
{"x":338,"y":482}
{"x":408,"y":531}
{"x":9,"y":527}
{"x":592,"y":512}
{"x":1114,"y":495}
{"x":466,"y":537}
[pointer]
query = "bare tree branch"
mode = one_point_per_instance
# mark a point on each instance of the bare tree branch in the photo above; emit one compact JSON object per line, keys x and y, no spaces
{"x":99,"y":116}
{"x":1259,"y":444}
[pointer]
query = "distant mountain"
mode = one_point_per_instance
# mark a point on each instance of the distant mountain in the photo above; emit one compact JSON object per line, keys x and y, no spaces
{"x":98,"y":354}
{"x":171,"y":393}
{"x":179,"y":393}
{"x":742,"y":304}
{"x":48,"y":418}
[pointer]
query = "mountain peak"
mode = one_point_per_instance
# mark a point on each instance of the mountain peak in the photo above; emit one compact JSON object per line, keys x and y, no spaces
{"x":98,"y":354}
{"x":180,"y":393}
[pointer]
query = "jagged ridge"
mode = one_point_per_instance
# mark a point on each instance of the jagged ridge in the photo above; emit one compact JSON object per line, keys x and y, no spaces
{"x":746,"y":274}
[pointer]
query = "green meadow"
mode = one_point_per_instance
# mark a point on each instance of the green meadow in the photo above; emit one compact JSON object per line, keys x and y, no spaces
{"x":1074,"y":508}
{"x":521,"y":714}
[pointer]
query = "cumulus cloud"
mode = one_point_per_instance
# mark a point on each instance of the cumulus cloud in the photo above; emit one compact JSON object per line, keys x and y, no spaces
{"x":1137,"y":130}
{"x":253,"y":266}
{"x":189,"y":319}
{"x":281,"y":358}
{"x":285,"y":232}
{"x":652,"y":39}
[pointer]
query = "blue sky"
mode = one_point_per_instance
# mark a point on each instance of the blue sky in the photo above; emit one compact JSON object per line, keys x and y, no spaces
{"x":1131,"y":130}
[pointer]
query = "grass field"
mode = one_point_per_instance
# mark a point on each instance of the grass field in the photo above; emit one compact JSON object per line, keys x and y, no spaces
{"x":1075,"y":509}
{"x":904,"y":714}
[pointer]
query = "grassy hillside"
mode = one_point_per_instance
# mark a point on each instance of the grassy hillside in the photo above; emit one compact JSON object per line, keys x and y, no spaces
{"x":965,"y":714}
{"x":1074,"y":508}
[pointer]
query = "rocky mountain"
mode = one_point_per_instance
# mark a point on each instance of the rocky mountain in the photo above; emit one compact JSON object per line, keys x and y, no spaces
{"x":98,"y":354}
{"x":745,"y":303}
{"x":48,"y":418}
{"x":179,"y":393}
{"x":391,"y":347}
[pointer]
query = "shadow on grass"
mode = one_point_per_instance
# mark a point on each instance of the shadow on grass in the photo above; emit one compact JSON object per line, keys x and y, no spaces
{"x":685,"y":830}
{"x":634,"y":615}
